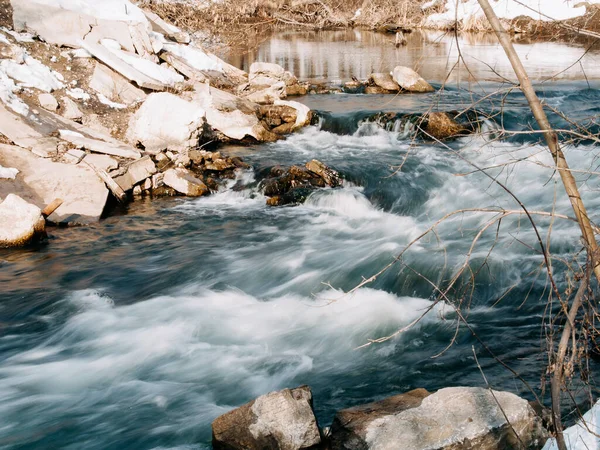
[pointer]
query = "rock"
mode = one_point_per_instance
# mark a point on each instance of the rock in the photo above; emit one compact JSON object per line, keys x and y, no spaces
{"x":232,"y":118}
{"x":21,"y":223}
{"x":275,"y":115}
{"x":282,"y":129}
{"x":385,"y":81}
{"x":136,"y":171}
{"x":282,"y":420}
{"x":47,"y":101}
{"x":46,"y":147}
{"x":294,"y":184}
{"x":268,"y":95}
{"x":66,"y":23}
{"x":157,"y":180}
{"x":74,"y":156}
{"x":99,"y":146}
{"x":411,"y":81}
{"x":377,"y":90}
{"x":442,"y":125}
{"x":303,"y":113}
{"x":70,"y":110}
{"x":41,"y":181}
{"x":330,"y":176}
{"x":265,"y":74}
{"x":166,"y":121}
{"x":102,"y":162}
{"x":114,"y":86}
{"x":184,"y":182}
{"x":296,"y":90}
{"x":219,"y":165}
{"x":450,"y":419}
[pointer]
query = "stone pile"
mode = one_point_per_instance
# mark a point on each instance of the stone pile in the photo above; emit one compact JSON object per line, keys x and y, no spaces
{"x":458,"y":418}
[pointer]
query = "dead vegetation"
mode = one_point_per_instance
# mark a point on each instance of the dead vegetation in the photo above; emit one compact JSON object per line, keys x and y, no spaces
{"x":245,"y":24}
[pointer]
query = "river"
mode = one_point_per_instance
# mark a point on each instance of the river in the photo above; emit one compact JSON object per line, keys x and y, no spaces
{"x":138,"y":331}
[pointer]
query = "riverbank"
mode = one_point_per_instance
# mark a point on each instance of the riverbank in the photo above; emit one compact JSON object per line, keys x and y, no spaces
{"x":227,"y":25}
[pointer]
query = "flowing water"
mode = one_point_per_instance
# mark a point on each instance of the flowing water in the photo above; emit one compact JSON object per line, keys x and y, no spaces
{"x":138,"y":331}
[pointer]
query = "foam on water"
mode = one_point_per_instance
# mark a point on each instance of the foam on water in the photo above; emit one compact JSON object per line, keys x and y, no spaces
{"x":197,"y":350}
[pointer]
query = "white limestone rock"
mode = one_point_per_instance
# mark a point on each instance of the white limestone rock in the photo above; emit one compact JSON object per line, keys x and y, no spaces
{"x":265,"y":74}
{"x":166,"y":121}
{"x":451,"y":418}
{"x":41,"y":181}
{"x":233,"y":117}
{"x":184,"y":182}
{"x":410,"y":81}
{"x":20,"y":222}
{"x":282,"y":420}
{"x":47,"y":101}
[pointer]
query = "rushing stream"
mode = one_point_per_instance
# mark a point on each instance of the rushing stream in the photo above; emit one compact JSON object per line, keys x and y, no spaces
{"x":138,"y":331}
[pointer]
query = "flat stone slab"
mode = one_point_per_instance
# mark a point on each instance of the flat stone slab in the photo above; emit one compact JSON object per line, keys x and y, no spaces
{"x":41,"y":181}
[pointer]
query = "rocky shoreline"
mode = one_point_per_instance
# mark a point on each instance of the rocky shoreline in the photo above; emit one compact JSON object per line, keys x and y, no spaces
{"x":126,"y":105}
{"x":454,"y":418}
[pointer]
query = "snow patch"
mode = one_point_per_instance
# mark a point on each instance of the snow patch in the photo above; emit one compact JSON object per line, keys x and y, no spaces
{"x":79,"y":94}
{"x":9,"y":173}
{"x":195,"y":57}
{"x":581,"y":435}
{"x":105,"y":101}
{"x":32,"y":73}
{"x":19,"y":37}
{"x":545,"y":10}
{"x":8,"y":97}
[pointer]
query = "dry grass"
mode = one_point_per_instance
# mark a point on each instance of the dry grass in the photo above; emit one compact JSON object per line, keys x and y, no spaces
{"x":242,"y":24}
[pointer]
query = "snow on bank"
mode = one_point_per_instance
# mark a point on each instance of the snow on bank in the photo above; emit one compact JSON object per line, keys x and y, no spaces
{"x":103,"y":10}
{"x":581,"y":436}
{"x":8,"y":173}
{"x":545,"y":10}
{"x":8,"y":97}
{"x":32,"y":73}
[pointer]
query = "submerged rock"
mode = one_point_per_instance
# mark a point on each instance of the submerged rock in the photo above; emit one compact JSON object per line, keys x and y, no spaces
{"x":282,"y":420}
{"x":442,"y":125}
{"x":450,"y":419}
{"x":293,"y":185}
{"x":21,"y":223}
{"x":411,"y":81}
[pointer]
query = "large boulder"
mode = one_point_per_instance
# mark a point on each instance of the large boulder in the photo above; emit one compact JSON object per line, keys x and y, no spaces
{"x":67,"y":22}
{"x":166,"y":121}
{"x":232,"y":118}
{"x":266,"y":74}
{"x":450,"y":419}
{"x":410,"y":81}
{"x":267,"y":95}
{"x":282,"y":420}
{"x":303,"y":113}
{"x":41,"y":181}
{"x":21,"y":223}
{"x":137,"y":171}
